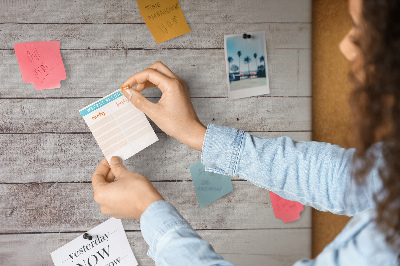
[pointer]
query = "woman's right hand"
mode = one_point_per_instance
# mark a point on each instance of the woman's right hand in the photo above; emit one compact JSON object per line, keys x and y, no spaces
{"x":174,"y":112}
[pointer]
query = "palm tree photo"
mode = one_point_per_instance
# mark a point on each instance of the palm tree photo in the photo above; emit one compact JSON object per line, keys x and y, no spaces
{"x":247,"y":60}
{"x":239,"y":53}
{"x":230,"y":60}
{"x":262,"y":59}
{"x":255,"y":60}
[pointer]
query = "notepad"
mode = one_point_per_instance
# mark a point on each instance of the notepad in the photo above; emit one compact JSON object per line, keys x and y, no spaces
{"x":119,"y":128}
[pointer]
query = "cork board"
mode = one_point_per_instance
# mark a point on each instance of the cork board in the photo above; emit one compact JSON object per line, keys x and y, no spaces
{"x":331,"y":89}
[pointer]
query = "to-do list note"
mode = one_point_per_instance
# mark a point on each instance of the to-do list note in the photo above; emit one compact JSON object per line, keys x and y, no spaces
{"x":118,"y":126}
{"x":164,"y":18}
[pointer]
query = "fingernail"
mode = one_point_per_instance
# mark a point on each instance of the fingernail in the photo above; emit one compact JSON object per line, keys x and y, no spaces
{"x":128,"y":93}
{"x":115,"y":160}
{"x":124,"y":88}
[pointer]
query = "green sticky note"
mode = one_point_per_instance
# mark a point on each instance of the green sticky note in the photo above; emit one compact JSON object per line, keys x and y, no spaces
{"x":209,"y":186}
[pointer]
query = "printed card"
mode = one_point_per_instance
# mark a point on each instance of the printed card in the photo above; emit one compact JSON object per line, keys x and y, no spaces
{"x":108,"y":246}
{"x":118,"y":126}
{"x":41,"y":63}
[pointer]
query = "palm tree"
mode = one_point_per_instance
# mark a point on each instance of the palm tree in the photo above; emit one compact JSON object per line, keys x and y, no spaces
{"x":239,"y":55}
{"x":230,"y":60}
{"x":255,"y":58}
{"x":247,"y":60}
{"x":262,"y":59}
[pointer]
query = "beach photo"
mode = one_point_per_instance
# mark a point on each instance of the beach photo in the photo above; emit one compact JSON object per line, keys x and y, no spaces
{"x":246,"y":65}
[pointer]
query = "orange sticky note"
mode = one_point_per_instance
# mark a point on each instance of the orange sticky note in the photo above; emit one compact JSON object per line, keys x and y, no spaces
{"x":41,"y":63}
{"x":164,"y":18}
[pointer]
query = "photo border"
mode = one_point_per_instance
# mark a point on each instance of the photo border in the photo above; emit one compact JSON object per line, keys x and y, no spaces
{"x":248,"y":92}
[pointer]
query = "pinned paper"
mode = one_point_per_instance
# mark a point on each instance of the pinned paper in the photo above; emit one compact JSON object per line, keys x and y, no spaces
{"x":287,"y":210}
{"x":209,"y":186}
{"x":108,"y":246}
{"x":41,"y":64}
{"x":118,"y":126}
{"x":164,"y":18}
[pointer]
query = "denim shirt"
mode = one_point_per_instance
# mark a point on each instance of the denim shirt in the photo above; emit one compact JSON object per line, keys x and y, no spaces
{"x":312,"y":173}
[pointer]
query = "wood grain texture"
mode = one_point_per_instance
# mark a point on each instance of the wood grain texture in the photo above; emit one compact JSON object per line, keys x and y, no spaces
{"x":50,"y":207}
{"x":126,"y":11}
{"x":91,"y":73}
{"x":249,"y":114}
{"x":137,"y":36}
{"x":49,"y":154}
{"x":331,"y":89}
{"x":73,"y":157}
{"x":257,"y":241}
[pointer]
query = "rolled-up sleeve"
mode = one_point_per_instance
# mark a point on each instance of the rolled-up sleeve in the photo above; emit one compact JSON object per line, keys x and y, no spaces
{"x":171,"y":239}
{"x":313,"y":173}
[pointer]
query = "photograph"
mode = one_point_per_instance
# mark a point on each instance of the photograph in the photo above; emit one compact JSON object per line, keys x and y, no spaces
{"x":246,"y":65}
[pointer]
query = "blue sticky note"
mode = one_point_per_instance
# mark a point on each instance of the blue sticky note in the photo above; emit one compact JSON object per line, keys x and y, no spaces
{"x":209,"y":186}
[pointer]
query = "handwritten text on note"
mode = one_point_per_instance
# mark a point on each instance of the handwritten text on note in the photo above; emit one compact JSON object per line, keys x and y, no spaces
{"x":41,"y":63}
{"x":209,"y":186}
{"x":164,"y":18}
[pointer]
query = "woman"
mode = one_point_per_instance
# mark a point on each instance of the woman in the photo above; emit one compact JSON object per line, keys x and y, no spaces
{"x":317,"y":174}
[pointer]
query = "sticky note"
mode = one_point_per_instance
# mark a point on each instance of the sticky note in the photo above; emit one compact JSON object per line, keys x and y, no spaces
{"x":118,"y":126}
{"x":41,"y":64}
{"x":284,"y":209}
{"x":209,"y":186}
{"x":164,"y":18}
{"x":108,"y":246}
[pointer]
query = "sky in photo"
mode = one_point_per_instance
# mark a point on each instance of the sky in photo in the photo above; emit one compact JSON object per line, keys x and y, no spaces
{"x":248,"y":47}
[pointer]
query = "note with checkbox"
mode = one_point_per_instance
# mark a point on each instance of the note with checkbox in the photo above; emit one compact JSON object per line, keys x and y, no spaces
{"x":119,"y":128}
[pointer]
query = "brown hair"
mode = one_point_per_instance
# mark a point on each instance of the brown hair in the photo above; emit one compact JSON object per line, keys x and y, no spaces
{"x":375,"y":102}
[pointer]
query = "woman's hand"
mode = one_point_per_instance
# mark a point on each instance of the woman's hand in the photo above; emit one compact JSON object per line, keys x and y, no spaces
{"x":174,"y":112}
{"x":128,"y":197}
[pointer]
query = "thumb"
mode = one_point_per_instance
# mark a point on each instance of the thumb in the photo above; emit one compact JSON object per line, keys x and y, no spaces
{"x":117,"y":167}
{"x":138,"y":100}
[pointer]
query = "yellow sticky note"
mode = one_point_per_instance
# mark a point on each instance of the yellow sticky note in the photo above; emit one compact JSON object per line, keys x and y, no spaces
{"x":164,"y":18}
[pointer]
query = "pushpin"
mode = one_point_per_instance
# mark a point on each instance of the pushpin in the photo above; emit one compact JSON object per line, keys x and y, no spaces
{"x":87,"y":236}
{"x":246,"y":36}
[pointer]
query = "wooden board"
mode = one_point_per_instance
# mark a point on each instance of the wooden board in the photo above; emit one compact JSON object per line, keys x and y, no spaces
{"x":125,"y":11}
{"x":257,"y":241}
{"x":48,"y":153}
{"x":49,"y":207}
{"x":289,"y":72}
{"x":250,"y":114}
{"x":75,"y":156}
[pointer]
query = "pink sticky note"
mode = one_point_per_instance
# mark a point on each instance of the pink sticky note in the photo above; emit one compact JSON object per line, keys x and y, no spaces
{"x":41,"y":63}
{"x":284,"y":209}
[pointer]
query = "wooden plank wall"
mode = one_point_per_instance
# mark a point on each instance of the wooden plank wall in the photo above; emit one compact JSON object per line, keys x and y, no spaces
{"x":48,"y":154}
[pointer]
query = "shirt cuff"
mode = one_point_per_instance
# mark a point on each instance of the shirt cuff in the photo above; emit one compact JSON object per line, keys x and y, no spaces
{"x":222,"y":148}
{"x":157,"y":220}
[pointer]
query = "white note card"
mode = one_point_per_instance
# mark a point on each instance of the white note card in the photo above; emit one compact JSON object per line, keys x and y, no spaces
{"x":108,"y":247}
{"x":118,"y":126}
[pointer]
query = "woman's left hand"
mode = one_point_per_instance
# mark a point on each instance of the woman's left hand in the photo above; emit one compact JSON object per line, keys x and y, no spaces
{"x":128,"y":197}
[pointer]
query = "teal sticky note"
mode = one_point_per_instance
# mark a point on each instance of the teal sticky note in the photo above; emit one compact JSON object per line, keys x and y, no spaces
{"x":209,"y":186}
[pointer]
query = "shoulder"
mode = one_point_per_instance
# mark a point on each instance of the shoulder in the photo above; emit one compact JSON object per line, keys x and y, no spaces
{"x":361,"y":241}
